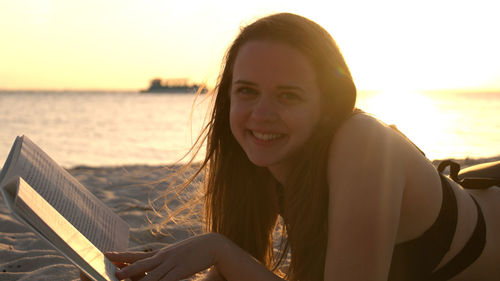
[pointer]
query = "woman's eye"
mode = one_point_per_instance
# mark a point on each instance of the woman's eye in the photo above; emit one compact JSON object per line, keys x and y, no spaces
{"x":290,"y":96}
{"x":246,"y":91}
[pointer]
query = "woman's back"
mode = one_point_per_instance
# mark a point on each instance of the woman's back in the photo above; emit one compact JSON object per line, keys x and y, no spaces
{"x":421,"y":195}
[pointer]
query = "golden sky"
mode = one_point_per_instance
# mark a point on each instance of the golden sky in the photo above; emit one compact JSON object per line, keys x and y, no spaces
{"x":121,"y":44}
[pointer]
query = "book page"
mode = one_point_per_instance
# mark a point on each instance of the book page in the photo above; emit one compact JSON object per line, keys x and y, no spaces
{"x":71,"y":199}
{"x":48,"y":223}
{"x":7,"y":171}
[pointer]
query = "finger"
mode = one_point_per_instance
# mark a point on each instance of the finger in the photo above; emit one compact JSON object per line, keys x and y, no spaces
{"x":121,"y":264}
{"x":138,"y":267}
{"x":137,"y":277}
{"x":158,"y":272}
{"x":128,"y":257}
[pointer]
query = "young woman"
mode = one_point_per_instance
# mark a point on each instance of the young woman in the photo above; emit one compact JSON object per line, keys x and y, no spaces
{"x":358,"y":200}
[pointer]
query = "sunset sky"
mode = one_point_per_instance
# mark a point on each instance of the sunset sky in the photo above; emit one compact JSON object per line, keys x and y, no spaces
{"x":122,"y":44}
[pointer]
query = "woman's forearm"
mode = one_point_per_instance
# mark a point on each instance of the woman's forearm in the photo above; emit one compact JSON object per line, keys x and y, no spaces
{"x":233,"y":263}
{"x":212,"y":275}
{"x":191,"y":256}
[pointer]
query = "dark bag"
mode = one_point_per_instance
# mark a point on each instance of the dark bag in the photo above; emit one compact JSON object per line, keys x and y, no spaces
{"x":475,"y":177}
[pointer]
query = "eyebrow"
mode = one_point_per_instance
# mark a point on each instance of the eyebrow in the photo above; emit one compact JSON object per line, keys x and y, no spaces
{"x":245,"y":82}
{"x":281,"y":87}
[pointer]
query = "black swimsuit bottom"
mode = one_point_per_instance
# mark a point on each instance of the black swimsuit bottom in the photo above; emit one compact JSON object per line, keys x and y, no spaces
{"x":418,"y":258}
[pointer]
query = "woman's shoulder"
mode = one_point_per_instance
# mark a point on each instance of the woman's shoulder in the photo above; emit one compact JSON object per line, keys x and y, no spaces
{"x":362,"y":127}
{"x":365,"y":141}
{"x":365,"y":145}
{"x":361,"y":118}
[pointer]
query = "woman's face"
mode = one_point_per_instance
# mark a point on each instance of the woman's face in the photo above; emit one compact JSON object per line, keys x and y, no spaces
{"x":275,"y":102}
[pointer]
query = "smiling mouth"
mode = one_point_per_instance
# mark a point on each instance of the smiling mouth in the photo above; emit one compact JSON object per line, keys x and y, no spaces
{"x":266,"y":136}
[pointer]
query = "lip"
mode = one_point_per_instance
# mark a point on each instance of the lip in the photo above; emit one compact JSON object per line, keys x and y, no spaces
{"x":265,"y":138}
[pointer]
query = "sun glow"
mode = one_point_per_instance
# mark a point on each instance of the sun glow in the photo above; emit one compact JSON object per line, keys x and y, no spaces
{"x":413,"y":113}
{"x":93,"y":44}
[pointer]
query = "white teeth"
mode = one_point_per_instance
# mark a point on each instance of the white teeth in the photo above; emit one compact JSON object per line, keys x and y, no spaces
{"x":266,"y":137}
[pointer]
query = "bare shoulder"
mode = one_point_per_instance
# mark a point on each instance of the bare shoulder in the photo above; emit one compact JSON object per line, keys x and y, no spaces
{"x":368,"y":152}
{"x":363,"y":125}
{"x":365,"y":134}
{"x":364,"y":149}
{"x":362,"y":133}
{"x":362,"y":119}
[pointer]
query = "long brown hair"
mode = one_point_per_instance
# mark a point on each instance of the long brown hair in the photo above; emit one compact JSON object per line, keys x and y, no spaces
{"x":242,"y":201}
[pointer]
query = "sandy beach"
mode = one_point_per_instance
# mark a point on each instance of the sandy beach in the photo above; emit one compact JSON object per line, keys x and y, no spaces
{"x":127,"y":190}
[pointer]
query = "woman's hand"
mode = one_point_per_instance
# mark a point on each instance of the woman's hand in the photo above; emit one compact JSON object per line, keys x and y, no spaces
{"x":174,"y":262}
{"x":132,"y":257}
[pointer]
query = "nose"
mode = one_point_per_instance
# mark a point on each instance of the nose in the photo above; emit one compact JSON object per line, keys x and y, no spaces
{"x":264,"y":110}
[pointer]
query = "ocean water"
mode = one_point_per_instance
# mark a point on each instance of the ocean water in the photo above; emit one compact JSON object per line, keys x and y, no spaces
{"x":442,"y":124}
{"x":101,"y":128}
{"x":119,"y":128}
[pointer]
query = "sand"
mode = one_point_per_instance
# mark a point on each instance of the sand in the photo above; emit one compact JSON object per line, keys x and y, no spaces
{"x":127,"y":190}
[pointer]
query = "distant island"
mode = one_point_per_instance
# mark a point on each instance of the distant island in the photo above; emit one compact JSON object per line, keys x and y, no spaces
{"x":174,"y":86}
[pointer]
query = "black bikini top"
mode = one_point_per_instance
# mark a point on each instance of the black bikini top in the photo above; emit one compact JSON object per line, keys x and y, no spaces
{"x":418,"y":258}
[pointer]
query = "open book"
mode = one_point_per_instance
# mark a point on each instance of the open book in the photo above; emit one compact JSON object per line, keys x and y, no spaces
{"x":51,"y":202}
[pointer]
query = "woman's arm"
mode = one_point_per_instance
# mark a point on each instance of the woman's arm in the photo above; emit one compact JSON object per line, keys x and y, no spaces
{"x":191,"y":256}
{"x":212,"y":275}
{"x":233,"y":263}
{"x":366,"y":176}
